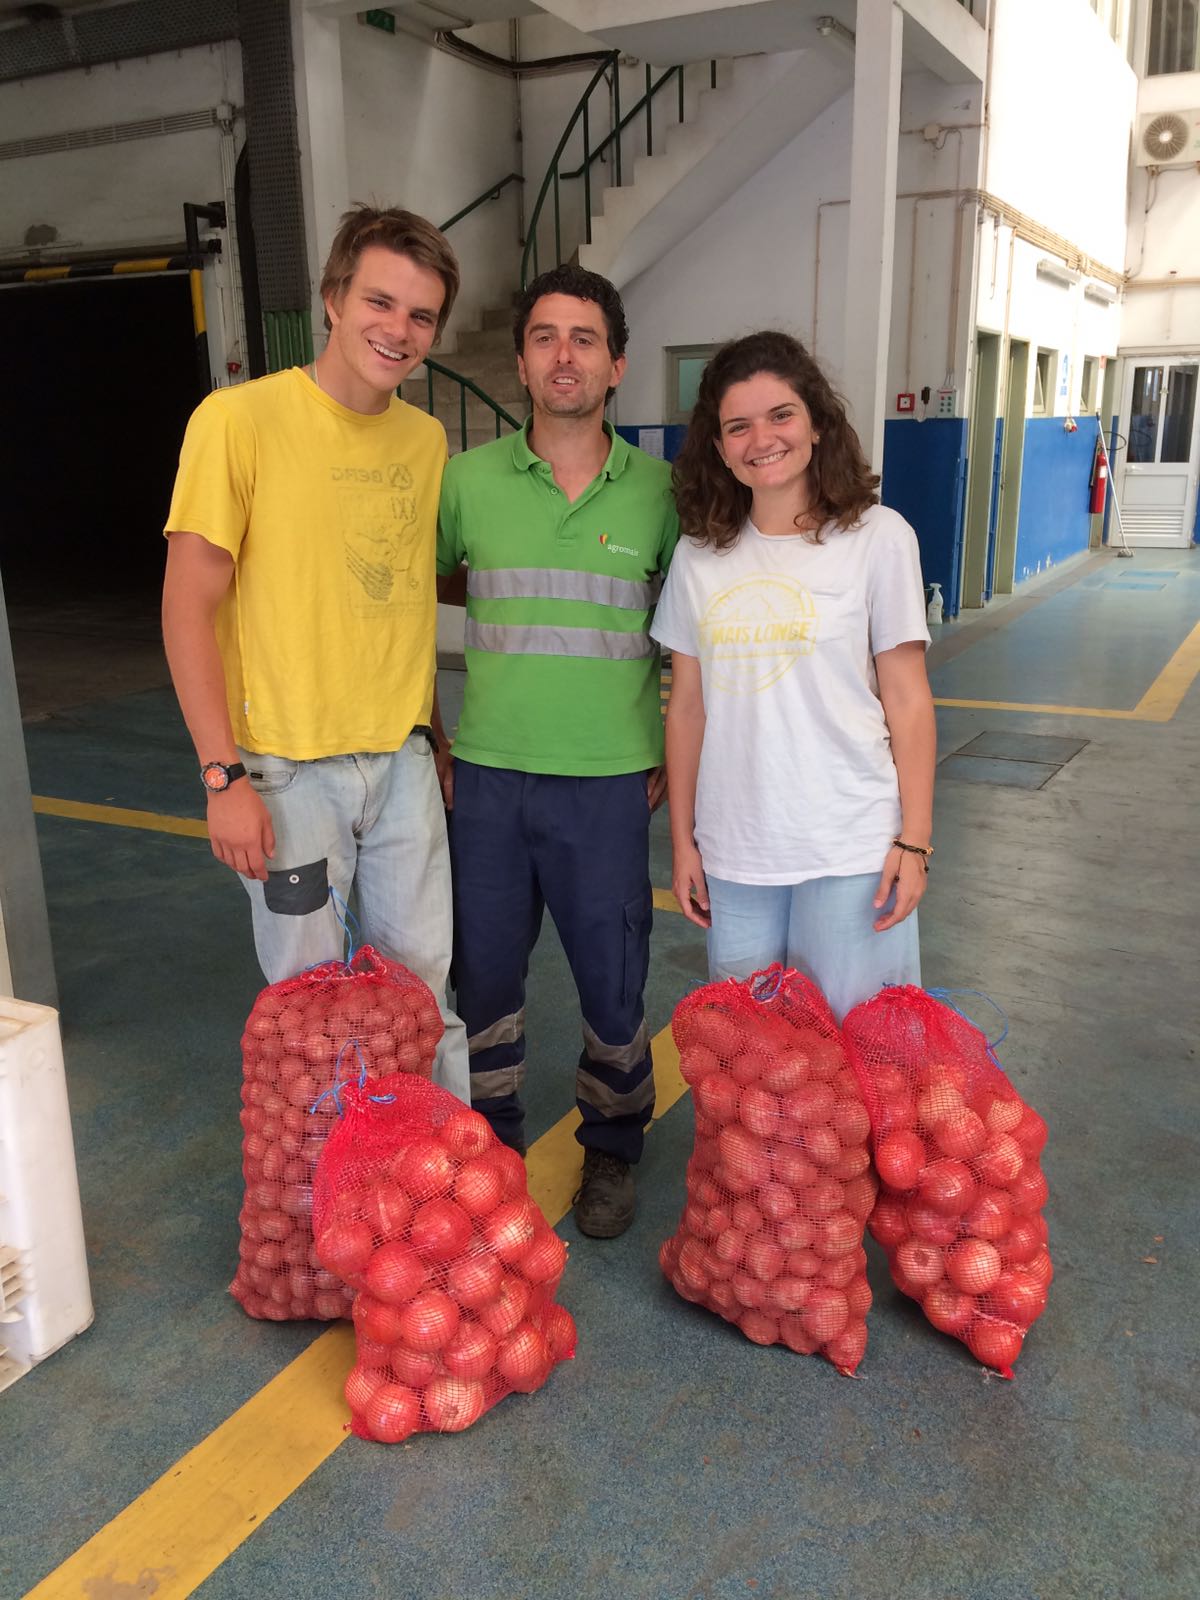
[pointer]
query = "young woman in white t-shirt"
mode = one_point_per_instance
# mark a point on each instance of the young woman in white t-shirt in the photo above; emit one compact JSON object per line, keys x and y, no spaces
{"x":800,"y":731}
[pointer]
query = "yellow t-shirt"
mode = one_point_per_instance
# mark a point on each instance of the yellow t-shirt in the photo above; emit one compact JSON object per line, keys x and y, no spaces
{"x":328,"y":633}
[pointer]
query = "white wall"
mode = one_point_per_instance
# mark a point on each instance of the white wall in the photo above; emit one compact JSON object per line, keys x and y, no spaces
{"x":1164,"y":235}
{"x":120,"y":195}
{"x":430,"y":133}
{"x":1062,"y":104}
{"x":754,"y":263}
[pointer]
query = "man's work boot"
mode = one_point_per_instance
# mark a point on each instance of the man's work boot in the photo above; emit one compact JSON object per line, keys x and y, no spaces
{"x":604,"y":1205}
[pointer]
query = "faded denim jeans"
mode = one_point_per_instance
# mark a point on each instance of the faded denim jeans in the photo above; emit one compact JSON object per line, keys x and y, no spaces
{"x":374,"y":824}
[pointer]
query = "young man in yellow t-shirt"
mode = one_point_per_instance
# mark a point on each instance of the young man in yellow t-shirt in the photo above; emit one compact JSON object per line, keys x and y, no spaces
{"x":300,"y":617}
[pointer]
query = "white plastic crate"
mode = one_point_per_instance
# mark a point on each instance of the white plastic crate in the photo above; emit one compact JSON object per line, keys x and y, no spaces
{"x":45,"y":1298}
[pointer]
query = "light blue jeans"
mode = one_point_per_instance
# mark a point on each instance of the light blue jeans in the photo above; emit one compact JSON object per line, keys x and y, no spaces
{"x":823,"y":928}
{"x":373,"y":824}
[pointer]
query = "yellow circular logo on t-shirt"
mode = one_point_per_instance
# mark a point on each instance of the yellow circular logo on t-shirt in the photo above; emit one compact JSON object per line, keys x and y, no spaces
{"x":756,"y":631}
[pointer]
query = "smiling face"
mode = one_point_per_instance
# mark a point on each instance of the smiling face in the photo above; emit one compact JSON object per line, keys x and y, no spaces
{"x":565,"y":362}
{"x":383,"y":325}
{"x":766,"y":438}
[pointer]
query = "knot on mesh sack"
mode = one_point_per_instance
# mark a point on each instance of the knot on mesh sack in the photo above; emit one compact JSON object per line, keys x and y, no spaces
{"x":339,"y":1083}
{"x":946,"y":996}
{"x":765,"y":985}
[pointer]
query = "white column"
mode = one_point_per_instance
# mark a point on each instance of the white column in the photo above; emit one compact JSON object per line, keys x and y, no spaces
{"x":321,"y":127}
{"x":871,"y":240}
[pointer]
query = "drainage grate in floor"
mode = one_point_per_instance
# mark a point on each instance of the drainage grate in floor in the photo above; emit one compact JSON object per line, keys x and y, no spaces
{"x":1013,"y":760}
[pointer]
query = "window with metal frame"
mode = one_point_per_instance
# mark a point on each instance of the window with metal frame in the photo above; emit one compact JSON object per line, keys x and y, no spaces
{"x":1174,"y":37}
{"x":685,"y":366}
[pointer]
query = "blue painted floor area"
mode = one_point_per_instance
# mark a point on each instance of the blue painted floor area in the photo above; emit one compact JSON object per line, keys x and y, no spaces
{"x":673,"y":1459}
{"x":1102,"y":643}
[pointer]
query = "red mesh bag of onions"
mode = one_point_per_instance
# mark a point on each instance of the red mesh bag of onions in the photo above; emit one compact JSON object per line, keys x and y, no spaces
{"x":779,"y":1184}
{"x":427,"y":1216}
{"x":957,"y":1152}
{"x":359,"y":1018}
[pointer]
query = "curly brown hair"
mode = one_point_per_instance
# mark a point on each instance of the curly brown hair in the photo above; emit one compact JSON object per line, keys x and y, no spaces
{"x":713,"y":505}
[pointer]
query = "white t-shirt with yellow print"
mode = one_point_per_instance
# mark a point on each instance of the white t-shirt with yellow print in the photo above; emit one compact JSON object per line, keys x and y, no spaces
{"x":328,"y":630}
{"x":796,"y":775}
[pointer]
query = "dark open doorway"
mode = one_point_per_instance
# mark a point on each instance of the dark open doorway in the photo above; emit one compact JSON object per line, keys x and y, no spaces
{"x":100,"y":381}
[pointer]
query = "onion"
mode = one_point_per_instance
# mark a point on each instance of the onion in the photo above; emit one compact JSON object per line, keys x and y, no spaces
{"x":523,"y":1359}
{"x":811,"y":1103}
{"x":921,"y":1263}
{"x":424,"y":1168}
{"x":395,"y":1273}
{"x":479,"y":1186}
{"x":440,"y":1230}
{"x":466,"y":1134}
{"x":826,"y":1314}
{"x":471,"y":1353}
{"x":1002,"y":1162}
{"x":996,"y":1344}
{"x":545,"y":1259}
{"x":697,"y":1061}
{"x":509,"y":1230}
{"x":759,"y":1328}
{"x":475,"y":1280}
{"x":452,"y":1404}
{"x":900,"y":1158}
{"x":973,"y":1266}
{"x":947,"y":1187}
{"x":345,"y":1248}
{"x":764,"y":1257}
{"x":502,"y":1314}
{"x":1029,"y":1190}
{"x":429,"y":1321}
{"x":1018,"y":1297}
{"x":716,"y":1098}
{"x":558,"y":1325}
{"x":376,"y":1320}
{"x":361,"y":1384}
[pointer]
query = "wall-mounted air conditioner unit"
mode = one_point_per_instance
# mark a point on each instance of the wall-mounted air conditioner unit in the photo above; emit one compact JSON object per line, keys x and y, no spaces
{"x":1168,"y":138}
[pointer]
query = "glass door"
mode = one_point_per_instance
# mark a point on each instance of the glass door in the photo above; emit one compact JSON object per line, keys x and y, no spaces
{"x":1158,"y":478}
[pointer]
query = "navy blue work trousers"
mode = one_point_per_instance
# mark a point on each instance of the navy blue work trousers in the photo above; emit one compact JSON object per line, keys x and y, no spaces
{"x":524,"y":841}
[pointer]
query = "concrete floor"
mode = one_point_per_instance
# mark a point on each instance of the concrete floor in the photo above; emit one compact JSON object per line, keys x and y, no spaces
{"x":672,"y":1458}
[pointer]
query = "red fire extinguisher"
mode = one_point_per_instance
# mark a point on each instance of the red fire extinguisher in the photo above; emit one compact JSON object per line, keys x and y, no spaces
{"x":1099,"y":484}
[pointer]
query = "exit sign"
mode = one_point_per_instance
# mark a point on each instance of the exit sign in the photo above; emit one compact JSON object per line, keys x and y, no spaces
{"x":384,"y":20}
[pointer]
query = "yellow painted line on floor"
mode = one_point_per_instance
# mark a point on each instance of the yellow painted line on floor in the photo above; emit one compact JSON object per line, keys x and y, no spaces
{"x":1159,"y":703}
{"x":664,"y":900}
{"x":175,"y":1535}
{"x":1165,"y":695}
{"x":1038,"y":710}
{"x":119,"y":817}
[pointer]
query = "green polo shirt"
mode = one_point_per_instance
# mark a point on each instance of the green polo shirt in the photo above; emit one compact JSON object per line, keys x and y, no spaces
{"x":562,"y":675}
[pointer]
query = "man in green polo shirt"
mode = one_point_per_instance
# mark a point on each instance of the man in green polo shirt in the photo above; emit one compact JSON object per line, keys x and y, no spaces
{"x":566,"y":532}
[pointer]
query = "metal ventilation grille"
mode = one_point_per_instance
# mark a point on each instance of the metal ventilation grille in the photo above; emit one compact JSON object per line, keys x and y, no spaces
{"x":112,"y":133}
{"x":13,"y":1285}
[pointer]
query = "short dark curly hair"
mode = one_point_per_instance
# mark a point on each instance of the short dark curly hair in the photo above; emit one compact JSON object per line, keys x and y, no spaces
{"x":713,"y":506}
{"x":584,"y":285}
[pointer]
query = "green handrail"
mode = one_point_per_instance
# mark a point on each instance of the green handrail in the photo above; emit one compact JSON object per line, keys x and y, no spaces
{"x":609,"y":64}
{"x":554,"y":174}
{"x":466,"y":385}
{"x":488,"y":194}
{"x":624,"y":122}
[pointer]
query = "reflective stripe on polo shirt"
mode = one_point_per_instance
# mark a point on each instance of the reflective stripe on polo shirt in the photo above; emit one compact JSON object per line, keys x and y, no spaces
{"x":555,"y":583}
{"x":533,"y":639}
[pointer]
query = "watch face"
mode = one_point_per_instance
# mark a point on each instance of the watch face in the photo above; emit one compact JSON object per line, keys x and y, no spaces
{"x":215,"y":777}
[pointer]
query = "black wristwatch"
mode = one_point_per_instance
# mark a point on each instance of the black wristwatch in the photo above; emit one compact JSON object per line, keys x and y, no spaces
{"x":216,"y":776}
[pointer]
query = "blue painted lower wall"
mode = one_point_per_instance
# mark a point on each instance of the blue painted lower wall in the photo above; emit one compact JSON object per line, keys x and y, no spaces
{"x":925,"y":480}
{"x":1053,"y":521}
